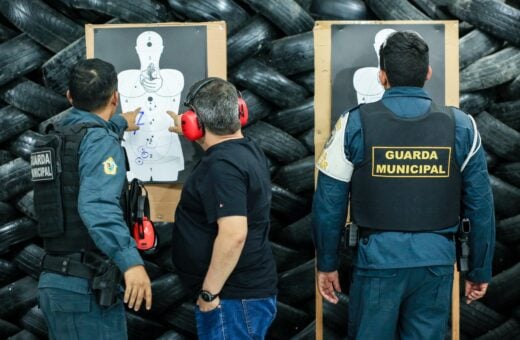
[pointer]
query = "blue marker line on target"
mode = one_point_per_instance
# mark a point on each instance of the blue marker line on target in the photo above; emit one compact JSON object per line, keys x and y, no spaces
{"x":141,"y":114}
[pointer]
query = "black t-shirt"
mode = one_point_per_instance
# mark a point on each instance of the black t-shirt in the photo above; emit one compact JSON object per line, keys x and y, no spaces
{"x":231,"y":179}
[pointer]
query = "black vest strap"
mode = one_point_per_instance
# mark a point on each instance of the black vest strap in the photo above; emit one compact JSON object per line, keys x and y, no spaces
{"x":409,"y":179}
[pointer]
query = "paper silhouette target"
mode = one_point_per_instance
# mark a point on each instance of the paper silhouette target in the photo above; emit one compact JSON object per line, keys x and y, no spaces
{"x":155,"y":75}
{"x":155,"y":91}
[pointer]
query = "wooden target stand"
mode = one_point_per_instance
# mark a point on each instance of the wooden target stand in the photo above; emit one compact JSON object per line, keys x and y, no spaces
{"x":323,"y":109}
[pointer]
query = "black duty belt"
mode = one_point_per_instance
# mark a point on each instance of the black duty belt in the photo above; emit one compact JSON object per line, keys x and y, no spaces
{"x":366,"y":232}
{"x":69,"y":264}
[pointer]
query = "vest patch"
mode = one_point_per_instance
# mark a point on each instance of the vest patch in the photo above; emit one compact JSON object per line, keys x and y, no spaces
{"x":42,"y":166}
{"x":411,"y":162}
{"x":110,"y":166}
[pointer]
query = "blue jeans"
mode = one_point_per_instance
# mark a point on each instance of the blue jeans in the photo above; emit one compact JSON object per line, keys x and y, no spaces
{"x":406,"y":303}
{"x":236,"y":319}
{"x":72,"y":315}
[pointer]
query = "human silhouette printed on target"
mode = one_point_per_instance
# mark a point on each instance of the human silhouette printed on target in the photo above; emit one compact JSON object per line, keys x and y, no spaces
{"x":366,"y":80}
{"x":154,"y":153}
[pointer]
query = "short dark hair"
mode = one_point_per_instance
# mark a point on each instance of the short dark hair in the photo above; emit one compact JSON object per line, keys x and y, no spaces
{"x":217,"y":106}
{"x":91,"y":83}
{"x":404,"y":58}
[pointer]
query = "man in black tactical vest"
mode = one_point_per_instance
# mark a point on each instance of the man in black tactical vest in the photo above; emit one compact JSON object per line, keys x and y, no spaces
{"x":412,"y":170}
{"x":79,"y":174}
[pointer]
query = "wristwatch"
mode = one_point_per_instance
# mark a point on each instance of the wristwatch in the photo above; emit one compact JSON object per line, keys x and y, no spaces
{"x":207,"y":296}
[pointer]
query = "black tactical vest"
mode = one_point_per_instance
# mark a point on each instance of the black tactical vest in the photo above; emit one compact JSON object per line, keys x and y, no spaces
{"x":56,"y":190}
{"x":409,"y":179}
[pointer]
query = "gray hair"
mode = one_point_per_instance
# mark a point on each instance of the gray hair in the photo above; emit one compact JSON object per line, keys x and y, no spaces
{"x":217,"y":106}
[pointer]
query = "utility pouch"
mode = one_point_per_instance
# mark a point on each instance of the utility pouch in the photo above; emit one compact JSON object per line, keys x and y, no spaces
{"x":46,"y":176}
{"x":350,"y":235}
{"x":462,"y":245}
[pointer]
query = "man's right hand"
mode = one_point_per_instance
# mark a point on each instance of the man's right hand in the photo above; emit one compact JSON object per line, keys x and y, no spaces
{"x":131,"y":117}
{"x":137,"y":288}
{"x":327,"y":284}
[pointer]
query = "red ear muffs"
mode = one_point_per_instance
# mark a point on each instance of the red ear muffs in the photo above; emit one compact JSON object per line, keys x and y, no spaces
{"x":144,"y":232}
{"x":145,"y":236}
{"x":191,"y":126}
{"x":243,"y":112}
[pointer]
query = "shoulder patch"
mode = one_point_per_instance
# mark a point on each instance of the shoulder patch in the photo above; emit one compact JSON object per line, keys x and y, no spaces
{"x":110,"y":166}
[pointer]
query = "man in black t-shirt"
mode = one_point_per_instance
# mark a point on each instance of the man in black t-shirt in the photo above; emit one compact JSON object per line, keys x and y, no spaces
{"x":220,"y":239}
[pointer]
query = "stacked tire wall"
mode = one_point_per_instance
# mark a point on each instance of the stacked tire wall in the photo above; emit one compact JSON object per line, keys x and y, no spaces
{"x":270,"y":59}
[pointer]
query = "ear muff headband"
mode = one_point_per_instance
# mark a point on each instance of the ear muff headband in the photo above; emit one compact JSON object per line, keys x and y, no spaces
{"x":191,"y":124}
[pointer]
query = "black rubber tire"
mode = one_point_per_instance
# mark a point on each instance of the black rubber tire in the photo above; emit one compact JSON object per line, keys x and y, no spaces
{"x":56,"y":70}
{"x":267,"y":82}
{"x":25,"y":143}
{"x":491,"y":70}
{"x":297,"y":176}
{"x":506,"y":197}
{"x":275,"y":142}
{"x":286,"y":258}
{"x":298,"y":234}
{"x":287,"y":204}
{"x":9,"y":272}
{"x":494,"y":17}
{"x":5,"y":157}
{"x":182,"y":318}
{"x":258,"y":107}
{"x":215,"y":10}
{"x":19,"y":56}
{"x":511,"y":90}
{"x":339,"y":10}
{"x":25,"y":204}
{"x":34,"y":99}
{"x":307,"y":139}
{"x":41,"y":22}
{"x":509,"y":172}
{"x":475,"y":102}
{"x":250,"y":39}
{"x":503,"y":258}
{"x":29,"y":260}
{"x":7,"y":213}
{"x":508,"y":230}
{"x":18,"y":297}
{"x":15,"y":177}
{"x":491,"y":160}
{"x":172,"y":335}
{"x":286,"y":15}
{"x":464,"y":28}
{"x":17,"y":231}
{"x":476,"y":318}
{"x":293,"y":54}
{"x":14,"y":122}
{"x":504,"y":292}
{"x":433,"y":9}
{"x":509,"y":330}
{"x":309,"y":333}
{"x":140,"y":328}
{"x":81,"y":17}
{"x":288,"y":321}
{"x":294,"y":120}
{"x":334,"y":315}
{"x":24,"y":335}
{"x":507,"y":112}
{"x":7,"y":329}
{"x":7,"y":33}
{"x":475,"y":45}
{"x":167,"y":292}
{"x":499,"y":138}
{"x":34,"y":322}
{"x":153,"y":270}
{"x":297,"y":284}
{"x":306,"y":80}
{"x":128,"y":10}
{"x":395,"y":10}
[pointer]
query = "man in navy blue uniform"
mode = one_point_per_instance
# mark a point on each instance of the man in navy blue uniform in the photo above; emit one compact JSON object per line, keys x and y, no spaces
{"x":412,"y":170}
{"x":220,"y":239}
{"x":94,"y":173}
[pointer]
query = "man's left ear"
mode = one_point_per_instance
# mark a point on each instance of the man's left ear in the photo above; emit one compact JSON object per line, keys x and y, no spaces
{"x":115,"y":98}
{"x":69,"y":97}
{"x":429,"y":73}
